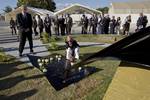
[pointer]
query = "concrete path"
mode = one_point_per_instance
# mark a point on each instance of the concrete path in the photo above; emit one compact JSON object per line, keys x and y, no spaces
{"x":12,"y":49}
{"x":10,"y":44}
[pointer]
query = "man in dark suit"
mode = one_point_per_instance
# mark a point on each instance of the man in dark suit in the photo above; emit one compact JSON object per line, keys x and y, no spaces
{"x":35,"y":26}
{"x":24,"y":22}
{"x":142,"y":21}
{"x":94,"y":21}
{"x":40,"y":25}
{"x":106,"y":24}
{"x":62,"y":25}
{"x":47,"y":24}
{"x":69,"y":23}
{"x":84,"y":23}
{"x":13,"y":26}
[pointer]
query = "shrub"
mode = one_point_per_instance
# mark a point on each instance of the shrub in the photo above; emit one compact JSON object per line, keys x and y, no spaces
{"x":53,"y":46}
{"x":45,"y":38}
{"x":4,"y":57}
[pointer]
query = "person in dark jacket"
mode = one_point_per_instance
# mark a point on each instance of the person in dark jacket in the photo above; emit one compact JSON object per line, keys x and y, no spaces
{"x":145,"y":21}
{"x":13,"y":26}
{"x":101,"y":24}
{"x":106,"y":24}
{"x":94,"y":22}
{"x":56,"y":25}
{"x":35,"y":26}
{"x":40,"y":25}
{"x":126,"y":26}
{"x":118,"y":26}
{"x":142,"y":21}
{"x":72,"y":50}
{"x":69,"y":24}
{"x":112,"y":25}
{"x":24,"y":23}
{"x":47,"y":25}
{"x":84,"y":24}
{"x":62,"y":25}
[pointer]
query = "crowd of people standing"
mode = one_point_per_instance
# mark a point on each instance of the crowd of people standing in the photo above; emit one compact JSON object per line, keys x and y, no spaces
{"x":105,"y":25}
{"x":26,"y":24}
{"x":97,"y":24}
{"x":61,"y":26}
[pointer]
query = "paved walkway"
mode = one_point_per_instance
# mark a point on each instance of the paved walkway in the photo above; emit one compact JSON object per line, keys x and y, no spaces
{"x":12,"y":49}
{"x":10,"y":44}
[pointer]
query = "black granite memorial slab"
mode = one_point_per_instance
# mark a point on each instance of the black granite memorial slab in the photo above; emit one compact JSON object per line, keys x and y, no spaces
{"x":55,"y":70}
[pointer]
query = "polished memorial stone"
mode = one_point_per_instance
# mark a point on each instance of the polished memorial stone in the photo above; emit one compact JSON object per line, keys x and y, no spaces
{"x":58,"y":70}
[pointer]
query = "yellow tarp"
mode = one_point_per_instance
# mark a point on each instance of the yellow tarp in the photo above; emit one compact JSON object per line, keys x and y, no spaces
{"x":129,"y":83}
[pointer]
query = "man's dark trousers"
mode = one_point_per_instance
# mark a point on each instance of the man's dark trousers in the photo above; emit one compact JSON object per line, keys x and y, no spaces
{"x":23,"y":37}
{"x":24,"y":23}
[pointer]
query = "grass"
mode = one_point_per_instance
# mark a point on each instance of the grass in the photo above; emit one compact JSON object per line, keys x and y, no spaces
{"x":98,"y":38}
{"x":5,"y":58}
{"x":91,"y":38}
{"x":18,"y":81}
{"x":97,"y":83}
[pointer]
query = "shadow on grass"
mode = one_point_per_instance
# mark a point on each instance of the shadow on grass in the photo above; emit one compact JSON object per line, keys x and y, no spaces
{"x":16,"y":49}
{"x":19,"y":96}
{"x":56,"y":72}
{"x":10,"y":82}
{"x":129,"y":64}
{"x":8,"y":69}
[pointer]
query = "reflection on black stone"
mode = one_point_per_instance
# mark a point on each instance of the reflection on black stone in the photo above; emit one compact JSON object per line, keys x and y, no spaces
{"x":56,"y":72}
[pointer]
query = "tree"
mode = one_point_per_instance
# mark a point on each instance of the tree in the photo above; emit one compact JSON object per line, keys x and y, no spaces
{"x":44,"y":4}
{"x":104,"y":10}
{"x":7,"y":9}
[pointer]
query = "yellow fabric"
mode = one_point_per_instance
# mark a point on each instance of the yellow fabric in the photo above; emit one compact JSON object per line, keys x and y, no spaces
{"x":129,"y":84}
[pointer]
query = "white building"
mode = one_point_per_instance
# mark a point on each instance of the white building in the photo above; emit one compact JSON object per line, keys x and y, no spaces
{"x":76,"y":11}
{"x":33,"y":11}
{"x":123,"y":9}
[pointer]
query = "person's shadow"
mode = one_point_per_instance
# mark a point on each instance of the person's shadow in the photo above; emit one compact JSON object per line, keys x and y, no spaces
{"x":10,"y":82}
{"x":8,"y":69}
{"x":19,"y":96}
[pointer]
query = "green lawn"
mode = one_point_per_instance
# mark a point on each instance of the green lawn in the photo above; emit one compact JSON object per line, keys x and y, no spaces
{"x":5,"y":58}
{"x":18,"y":81}
{"x":89,"y":38}
{"x":94,"y":86}
{"x":98,"y":38}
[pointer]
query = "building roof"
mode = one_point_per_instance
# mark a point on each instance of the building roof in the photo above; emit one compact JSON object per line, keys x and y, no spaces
{"x":75,"y":7}
{"x":41,"y":11}
{"x":131,"y":5}
{"x":35,"y":10}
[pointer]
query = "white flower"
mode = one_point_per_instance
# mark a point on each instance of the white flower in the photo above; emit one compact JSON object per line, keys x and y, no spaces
{"x":43,"y":60}
{"x":39,"y":60}
{"x":79,"y":68}
{"x":51,"y":59}
{"x":44,"y":70}
{"x":56,"y":56}
{"x":46,"y":60}
{"x":60,"y":56}
{"x":59,"y":59}
{"x":72,"y":63}
{"x":40,"y":64}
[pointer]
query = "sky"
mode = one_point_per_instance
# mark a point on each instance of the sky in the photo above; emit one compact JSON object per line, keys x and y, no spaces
{"x":63,"y":3}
